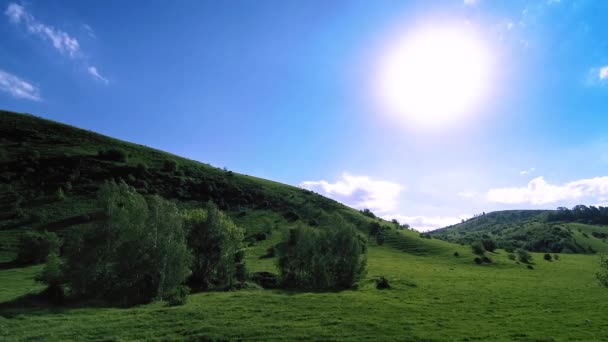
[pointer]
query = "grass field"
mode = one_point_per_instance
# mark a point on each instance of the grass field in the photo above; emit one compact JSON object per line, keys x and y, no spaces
{"x":434,"y":297}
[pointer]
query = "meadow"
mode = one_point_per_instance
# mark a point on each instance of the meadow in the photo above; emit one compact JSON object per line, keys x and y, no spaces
{"x":434,"y":297}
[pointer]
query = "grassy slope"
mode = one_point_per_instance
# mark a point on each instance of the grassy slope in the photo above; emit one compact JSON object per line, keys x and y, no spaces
{"x":504,"y":225}
{"x":435,"y":295}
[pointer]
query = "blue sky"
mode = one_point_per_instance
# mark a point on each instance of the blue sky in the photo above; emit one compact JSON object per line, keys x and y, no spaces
{"x":287,"y":90}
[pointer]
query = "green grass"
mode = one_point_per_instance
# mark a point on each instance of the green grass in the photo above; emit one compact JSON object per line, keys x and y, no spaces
{"x":433,"y":298}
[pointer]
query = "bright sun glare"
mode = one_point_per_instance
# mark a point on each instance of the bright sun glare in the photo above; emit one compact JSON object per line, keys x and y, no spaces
{"x":434,"y":76}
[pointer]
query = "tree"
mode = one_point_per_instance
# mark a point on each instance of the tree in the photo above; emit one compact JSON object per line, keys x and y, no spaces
{"x":489,"y":244}
{"x":214,"y":241}
{"x":333,"y":258}
{"x":136,"y":253}
{"x":523,"y":255}
{"x":34,"y":247}
{"x":477,"y":248}
{"x":52,"y":276}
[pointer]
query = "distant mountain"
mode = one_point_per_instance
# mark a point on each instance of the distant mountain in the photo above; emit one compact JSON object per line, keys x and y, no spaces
{"x":533,"y":230}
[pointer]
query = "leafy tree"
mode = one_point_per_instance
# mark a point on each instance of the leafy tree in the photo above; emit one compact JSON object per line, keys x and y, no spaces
{"x":489,"y":244}
{"x":52,"y":276}
{"x":136,"y":253}
{"x":367,"y":213}
{"x":477,"y":248}
{"x":215,"y":242}
{"x":333,"y":258}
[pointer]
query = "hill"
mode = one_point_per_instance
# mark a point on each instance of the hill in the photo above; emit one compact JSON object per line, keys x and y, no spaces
{"x":533,"y":230}
{"x":49,"y":173}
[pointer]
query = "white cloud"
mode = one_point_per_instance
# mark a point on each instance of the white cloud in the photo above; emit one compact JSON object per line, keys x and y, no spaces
{"x":470,"y":2}
{"x":603,"y":73}
{"x":17,"y":87}
{"x":359,"y":192}
{"x":96,"y":75}
{"x":527,"y":171}
{"x":538,"y":191}
{"x":60,"y":40}
{"x":425,"y":223}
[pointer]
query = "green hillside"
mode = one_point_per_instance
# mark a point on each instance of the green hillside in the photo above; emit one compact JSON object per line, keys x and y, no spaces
{"x":437,"y":292}
{"x":528,"y":229}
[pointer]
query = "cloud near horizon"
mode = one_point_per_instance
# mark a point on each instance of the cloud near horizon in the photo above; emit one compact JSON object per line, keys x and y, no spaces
{"x":538,"y":191}
{"x":17,"y":87}
{"x":426,"y":223}
{"x":359,"y":192}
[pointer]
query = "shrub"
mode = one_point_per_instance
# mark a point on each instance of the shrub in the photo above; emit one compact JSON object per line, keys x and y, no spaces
{"x":52,"y":276}
{"x":478,"y":260}
{"x":214,"y":241}
{"x":477,"y":248}
{"x":555,"y":256}
{"x":456,"y":254}
{"x":380,"y":239}
{"x":547,"y":257}
{"x":266,"y":280}
{"x":113,"y":154}
{"x":34,"y":247}
{"x":137,"y":252}
{"x":375,"y":228}
{"x":170,"y":165}
{"x":511,"y":256}
{"x":602,"y":273}
{"x":523,"y":255}
{"x":530,"y":267}
{"x":382,"y":283}
{"x":368,"y":213}
{"x":332,"y":258}
{"x":486,"y":259}
{"x":489,"y":245}
{"x":178,"y":295}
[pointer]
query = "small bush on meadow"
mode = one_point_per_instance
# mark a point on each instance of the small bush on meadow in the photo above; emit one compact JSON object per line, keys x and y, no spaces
{"x":556,"y":257}
{"x":530,"y":267}
{"x":547,"y":257}
{"x":478,"y":260}
{"x":511,"y":256}
{"x":382,"y":283}
{"x":456,"y":254}
{"x":489,"y":244}
{"x":523,"y":255}
{"x":178,"y":295}
{"x":34,"y":247}
{"x":486,"y":260}
{"x":477,"y":248}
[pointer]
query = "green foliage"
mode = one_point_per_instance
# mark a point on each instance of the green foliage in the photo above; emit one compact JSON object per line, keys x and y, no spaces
{"x":178,"y":295}
{"x":382,"y":283}
{"x":170,"y":166}
{"x":215,"y":242}
{"x":113,"y":154}
{"x":136,"y":253}
{"x":368,"y":213}
{"x":489,"y":244}
{"x":511,"y":256}
{"x":52,"y":276}
{"x":59,"y":195}
{"x":34,"y":247}
{"x":602,"y":273}
{"x":332,"y":258}
{"x":523,"y":255}
{"x":477,"y":248}
{"x":547,"y":257}
{"x":380,"y":238}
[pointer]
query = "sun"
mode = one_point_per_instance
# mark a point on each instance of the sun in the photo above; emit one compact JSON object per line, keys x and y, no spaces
{"x":434,"y":76}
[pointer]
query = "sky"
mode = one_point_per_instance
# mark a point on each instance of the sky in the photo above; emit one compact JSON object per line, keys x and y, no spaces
{"x":425,"y":111}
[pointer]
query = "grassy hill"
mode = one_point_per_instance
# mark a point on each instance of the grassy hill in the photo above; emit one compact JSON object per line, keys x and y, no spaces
{"x":438,"y":293}
{"x":528,"y":229}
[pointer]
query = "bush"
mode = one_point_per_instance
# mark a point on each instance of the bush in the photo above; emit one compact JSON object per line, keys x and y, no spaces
{"x":489,"y":245}
{"x":477,"y":248}
{"x":52,"y":276}
{"x":375,"y":228}
{"x":170,"y":165}
{"x":547,"y":257}
{"x":478,"y":260}
{"x":382,"y":283}
{"x":486,"y":260}
{"x":34,"y":247}
{"x":368,"y":213}
{"x":215,"y":242}
{"x":530,"y":267}
{"x":456,"y":254}
{"x":511,"y":256}
{"x":266,"y":280}
{"x":332,"y":258}
{"x":555,"y":256}
{"x":602,"y":273}
{"x":178,"y":295}
{"x":380,"y":239}
{"x":113,"y":154}
{"x":137,"y":252}
{"x":523,"y":255}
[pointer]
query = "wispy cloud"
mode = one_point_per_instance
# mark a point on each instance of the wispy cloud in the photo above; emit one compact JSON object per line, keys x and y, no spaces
{"x":96,"y":75}
{"x":359,"y":192}
{"x":63,"y":42}
{"x":603,"y":73}
{"x":60,"y":40}
{"x":17,"y":87}
{"x":467,"y":194}
{"x":538,"y":191}
{"x":470,"y":2}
